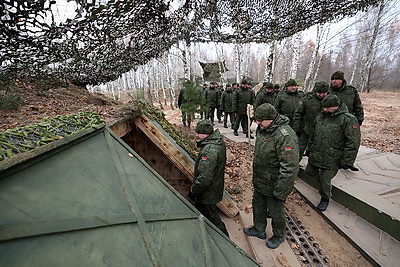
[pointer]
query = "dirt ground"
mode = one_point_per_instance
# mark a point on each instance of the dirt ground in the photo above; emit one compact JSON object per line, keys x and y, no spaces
{"x":381,"y":130}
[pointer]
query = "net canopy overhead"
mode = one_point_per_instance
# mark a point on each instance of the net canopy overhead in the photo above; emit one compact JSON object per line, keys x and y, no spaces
{"x":99,"y":39}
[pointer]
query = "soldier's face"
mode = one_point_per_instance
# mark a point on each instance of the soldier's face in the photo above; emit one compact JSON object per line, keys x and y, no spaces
{"x":337,"y":83}
{"x":292,"y":88}
{"x":264,"y":123}
{"x":330,"y":109}
{"x":321,"y":95}
{"x":201,"y":137}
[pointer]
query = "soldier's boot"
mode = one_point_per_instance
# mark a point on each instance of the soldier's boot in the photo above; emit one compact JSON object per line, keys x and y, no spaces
{"x":235,"y":133}
{"x":252,"y":231}
{"x":184,"y":123}
{"x":225,"y":125}
{"x":251,"y":137}
{"x":323,"y":204}
{"x":275,"y":241}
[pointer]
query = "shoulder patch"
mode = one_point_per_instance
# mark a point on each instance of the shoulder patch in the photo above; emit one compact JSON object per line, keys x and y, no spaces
{"x":284,"y":132}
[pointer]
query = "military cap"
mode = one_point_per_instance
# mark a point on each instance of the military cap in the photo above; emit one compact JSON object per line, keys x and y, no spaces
{"x":337,"y":75}
{"x":330,"y":100}
{"x":291,"y":82}
{"x":268,"y":85}
{"x":321,"y":87}
{"x":265,"y":111}
{"x":244,"y":81}
{"x":277,"y":86}
{"x":204,"y":127}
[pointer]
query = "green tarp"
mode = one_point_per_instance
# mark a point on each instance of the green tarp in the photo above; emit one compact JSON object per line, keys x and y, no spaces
{"x":94,"y":202}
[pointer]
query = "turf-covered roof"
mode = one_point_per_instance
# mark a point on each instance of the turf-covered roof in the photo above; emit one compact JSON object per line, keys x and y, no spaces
{"x":103,"y":39}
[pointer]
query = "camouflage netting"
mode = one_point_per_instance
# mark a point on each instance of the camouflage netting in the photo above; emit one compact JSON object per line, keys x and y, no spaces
{"x":22,"y":139}
{"x":104,"y":39}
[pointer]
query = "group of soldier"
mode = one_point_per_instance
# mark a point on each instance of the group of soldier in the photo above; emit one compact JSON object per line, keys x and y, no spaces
{"x":323,"y":125}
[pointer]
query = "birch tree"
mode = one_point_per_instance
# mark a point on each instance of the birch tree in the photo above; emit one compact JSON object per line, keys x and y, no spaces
{"x":296,"y":55}
{"x":365,"y":73}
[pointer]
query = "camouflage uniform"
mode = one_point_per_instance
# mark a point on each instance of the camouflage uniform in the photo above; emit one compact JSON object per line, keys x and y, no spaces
{"x":226,"y":105}
{"x":209,"y":173}
{"x":350,"y":97}
{"x":335,"y":138}
{"x":308,"y":109}
{"x":241,"y":98}
{"x":264,"y":97}
{"x":212,"y":100}
{"x":275,"y":167}
{"x":287,"y":102}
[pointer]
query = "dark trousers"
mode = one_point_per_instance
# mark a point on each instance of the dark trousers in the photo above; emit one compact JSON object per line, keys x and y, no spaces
{"x":324,"y":178}
{"x":211,"y":213}
{"x":210,"y":114}
{"x":241,"y":119}
{"x":231,"y":118}
{"x":262,"y":203}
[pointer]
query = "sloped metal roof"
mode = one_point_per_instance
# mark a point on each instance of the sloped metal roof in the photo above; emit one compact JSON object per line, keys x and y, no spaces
{"x":92,"y":201}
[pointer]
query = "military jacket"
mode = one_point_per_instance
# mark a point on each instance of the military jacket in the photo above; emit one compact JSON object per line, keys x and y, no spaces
{"x":276,"y":159}
{"x":240,"y":100}
{"x":350,"y":97}
{"x":286,"y":103}
{"x":209,"y":169}
{"x":335,"y":139}
{"x":308,"y":109}
{"x":227,"y":101}
{"x":264,"y":97}
{"x":212,"y":97}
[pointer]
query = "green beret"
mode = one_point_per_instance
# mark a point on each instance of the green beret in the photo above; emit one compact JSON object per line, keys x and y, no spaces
{"x":204,"y":127}
{"x":291,"y":82}
{"x":330,"y":100}
{"x":337,"y":75}
{"x":321,"y":87}
{"x":265,"y":111}
{"x":268,"y":85}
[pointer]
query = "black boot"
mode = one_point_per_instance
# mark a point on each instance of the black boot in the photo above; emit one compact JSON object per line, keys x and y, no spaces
{"x":235,"y":133}
{"x":275,"y":241}
{"x":251,"y":137}
{"x":225,"y":125}
{"x":252,"y":231}
{"x":323,"y":204}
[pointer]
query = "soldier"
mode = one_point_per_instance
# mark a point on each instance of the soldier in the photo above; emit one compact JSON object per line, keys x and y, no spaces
{"x":287,"y":101}
{"x":309,"y":107}
{"x":227,"y":105}
{"x":243,"y":96}
{"x":182,"y":100}
{"x":275,"y":167}
{"x":347,"y":95}
{"x":277,"y":88}
{"x":334,"y":142}
{"x":212,"y":99}
{"x":203,"y":112}
{"x":219,"y":109}
{"x":207,"y":189}
{"x":265,"y":95}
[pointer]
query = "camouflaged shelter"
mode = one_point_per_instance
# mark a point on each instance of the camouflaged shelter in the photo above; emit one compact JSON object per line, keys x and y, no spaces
{"x":90,"y":200}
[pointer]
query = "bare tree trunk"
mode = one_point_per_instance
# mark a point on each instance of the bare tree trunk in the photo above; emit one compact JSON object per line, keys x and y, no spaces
{"x":270,"y":64}
{"x":149,"y":94}
{"x":311,"y":66}
{"x":326,"y":30}
{"x":238,"y":58}
{"x":157,"y":82}
{"x":296,"y":55}
{"x":364,"y":81}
